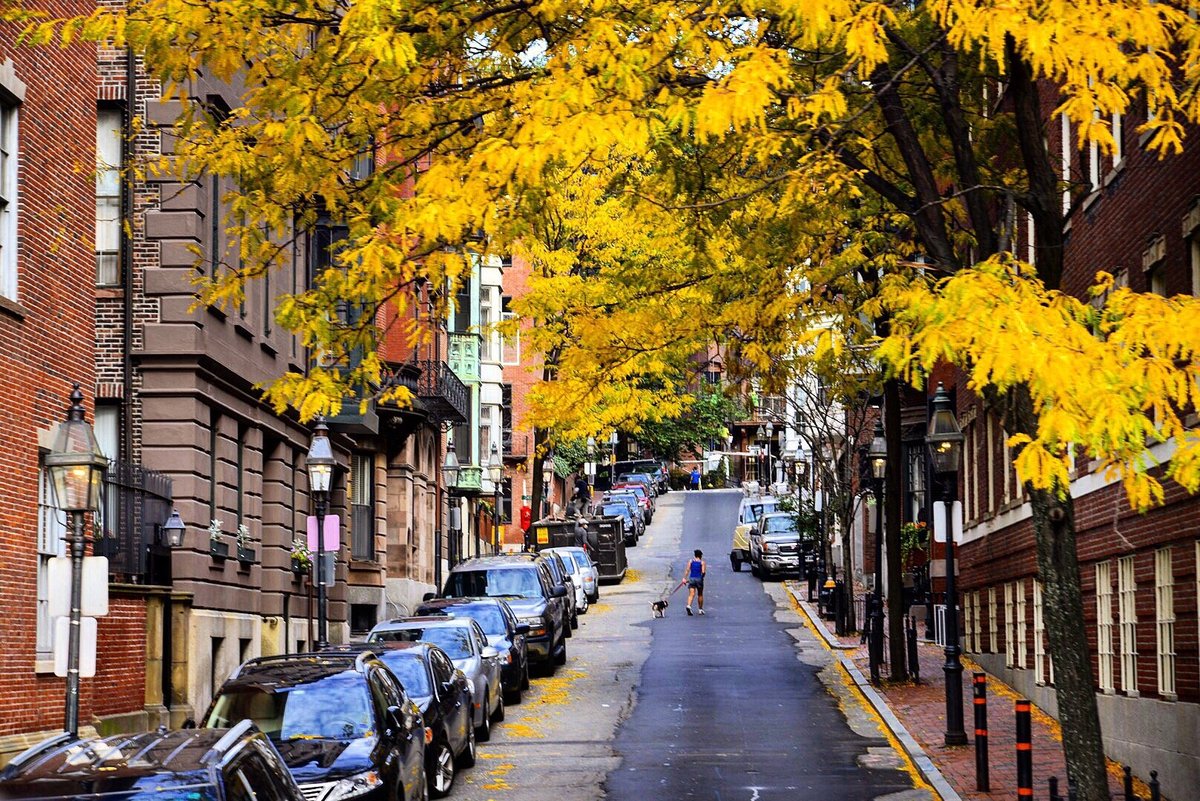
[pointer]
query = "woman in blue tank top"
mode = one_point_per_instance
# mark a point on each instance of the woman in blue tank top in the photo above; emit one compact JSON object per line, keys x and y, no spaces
{"x":696,"y":569}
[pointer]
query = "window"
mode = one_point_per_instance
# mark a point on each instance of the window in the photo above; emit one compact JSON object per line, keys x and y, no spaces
{"x":969,"y":623}
{"x":969,"y":473}
{"x":51,"y":531}
{"x":1022,"y":648}
{"x":1104,"y":625}
{"x":1030,"y":239}
{"x":510,"y":346}
{"x":1039,"y":636}
{"x":1127,"y":619}
{"x":978,"y":621}
{"x":1010,"y":653}
{"x":1158,"y":280}
{"x":1066,"y":162}
{"x":993,"y":634}
{"x":1194,"y":257}
{"x":1164,"y":621}
{"x":1118,"y":131}
{"x":486,"y":320}
{"x":990,"y":433}
{"x":8,"y":195}
{"x":108,"y":435}
{"x":108,"y":197}
{"x":362,"y":506}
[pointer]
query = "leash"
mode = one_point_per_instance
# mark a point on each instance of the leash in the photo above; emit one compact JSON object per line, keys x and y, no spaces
{"x":667,"y":595}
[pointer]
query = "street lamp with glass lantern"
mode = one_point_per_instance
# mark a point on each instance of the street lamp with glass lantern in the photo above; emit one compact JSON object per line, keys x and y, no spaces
{"x":547,"y":477}
{"x":496,"y":474}
{"x":173,"y":530}
{"x":76,"y":466}
{"x":945,"y":439}
{"x":450,"y":470}
{"x":320,"y":463}
{"x":878,"y":459}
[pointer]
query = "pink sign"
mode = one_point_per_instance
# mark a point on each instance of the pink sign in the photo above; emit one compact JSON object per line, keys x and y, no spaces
{"x":332,"y":525}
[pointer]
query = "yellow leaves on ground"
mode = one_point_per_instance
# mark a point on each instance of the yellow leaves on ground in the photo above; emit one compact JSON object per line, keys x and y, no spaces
{"x":1112,"y":379}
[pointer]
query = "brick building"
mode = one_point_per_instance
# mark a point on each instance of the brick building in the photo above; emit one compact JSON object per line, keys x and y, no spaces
{"x":48,"y":125}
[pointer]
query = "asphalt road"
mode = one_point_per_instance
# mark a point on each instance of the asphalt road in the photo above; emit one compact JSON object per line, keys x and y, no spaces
{"x":744,"y":703}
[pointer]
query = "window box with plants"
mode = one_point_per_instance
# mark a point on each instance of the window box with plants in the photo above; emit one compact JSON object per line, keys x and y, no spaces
{"x":301,"y":558}
{"x":245,"y":554}
{"x":217,"y":547}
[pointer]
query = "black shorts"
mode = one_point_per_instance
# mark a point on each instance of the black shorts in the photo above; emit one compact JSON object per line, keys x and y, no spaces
{"x":696,"y":584}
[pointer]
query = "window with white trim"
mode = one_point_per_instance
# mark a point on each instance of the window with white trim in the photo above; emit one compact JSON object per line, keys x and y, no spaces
{"x":8,"y":196}
{"x":1127,"y":620}
{"x":990,"y":451}
{"x":1118,"y":131}
{"x":1030,"y":240}
{"x":1022,"y":630}
{"x":510,"y":346}
{"x":487,"y":346}
{"x":978,"y":621}
{"x":1066,"y":161}
{"x":1010,"y":642}
{"x":969,"y":473}
{"x":1164,"y":621}
{"x":1104,"y":626}
{"x":993,"y":634}
{"x":1039,"y":635}
{"x":969,"y":623}
{"x":108,"y":197}
{"x":51,"y":531}
{"x":1094,"y":159}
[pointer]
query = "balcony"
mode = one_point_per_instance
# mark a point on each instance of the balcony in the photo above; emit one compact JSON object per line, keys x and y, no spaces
{"x":135,"y":505}
{"x":394,"y":375}
{"x":441,"y":392}
{"x":470,"y":480}
{"x":464,"y":356}
{"x":515,"y":444}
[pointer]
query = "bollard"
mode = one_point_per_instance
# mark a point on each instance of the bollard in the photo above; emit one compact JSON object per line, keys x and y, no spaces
{"x":1154,"y":792}
{"x":1072,"y":790}
{"x":1129,"y":796}
{"x":982,"y":780}
{"x":914,"y":658}
{"x":1024,"y":750}
{"x":1053,"y":782}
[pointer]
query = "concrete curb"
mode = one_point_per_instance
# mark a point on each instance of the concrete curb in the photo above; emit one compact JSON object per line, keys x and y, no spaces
{"x":917,"y":754}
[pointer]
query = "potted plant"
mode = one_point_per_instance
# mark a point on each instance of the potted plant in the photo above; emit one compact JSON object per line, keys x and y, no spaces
{"x":913,"y":538}
{"x":217,"y":547}
{"x":245,"y":553}
{"x":301,"y":557}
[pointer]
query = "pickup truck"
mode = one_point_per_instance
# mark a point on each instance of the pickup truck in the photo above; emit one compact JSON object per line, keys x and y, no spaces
{"x":752,"y":508}
{"x":775,"y":545}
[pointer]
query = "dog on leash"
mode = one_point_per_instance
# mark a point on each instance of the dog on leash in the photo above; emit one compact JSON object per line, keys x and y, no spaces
{"x":659,"y":608}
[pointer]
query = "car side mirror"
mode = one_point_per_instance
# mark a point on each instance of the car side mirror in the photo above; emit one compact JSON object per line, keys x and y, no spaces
{"x":490,"y":653}
{"x":559,"y":591}
{"x":522,"y":628}
{"x":429,"y":596}
{"x":395,"y":718}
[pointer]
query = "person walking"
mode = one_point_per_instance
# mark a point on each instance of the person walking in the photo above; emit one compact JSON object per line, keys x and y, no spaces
{"x":696,"y":569}
{"x":695,"y":482}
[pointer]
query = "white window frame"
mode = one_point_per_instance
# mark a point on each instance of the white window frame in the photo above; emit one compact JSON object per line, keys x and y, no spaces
{"x":1104,"y":626}
{"x":993,"y":634}
{"x":510,"y":346}
{"x":489,"y":339}
{"x":969,"y":623}
{"x":990,"y":451}
{"x":1039,"y":636}
{"x":1010,"y":640}
{"x":969,"y":473}
{"x":1022,"y":628}
{"x":1066,"y":162}
{"x":10,"y":116}
{"x":1164,"y":623}
{"x":978,"y":621}
{"x":51,"y":542}
{"x":1127,"y":619}
{"x":107,"y":245}
{"x":1030,"y":240}
{"x":1117,"y":132}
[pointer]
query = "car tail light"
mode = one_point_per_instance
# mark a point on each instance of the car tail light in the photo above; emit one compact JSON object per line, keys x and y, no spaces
{"x":428,"y":735}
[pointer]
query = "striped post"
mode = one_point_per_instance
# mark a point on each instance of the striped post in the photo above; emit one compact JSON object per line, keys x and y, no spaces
{"x":982,"y":780}
{"x":1024,"y":751}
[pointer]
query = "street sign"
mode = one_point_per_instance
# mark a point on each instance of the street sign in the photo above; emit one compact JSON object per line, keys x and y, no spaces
{"x":94,"y":596}
{"x":333,"y":526}
{"x":939,"y":521}
{"x":87,"y":646}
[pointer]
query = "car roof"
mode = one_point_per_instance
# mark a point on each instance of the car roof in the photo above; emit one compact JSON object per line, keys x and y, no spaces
{"x":516,"y":560}
{"x":290,"y":669}
{"x":65,"y":758}
{"x":379,"y":647}
{"x":423,"y":621}
{"x":477,"y":600}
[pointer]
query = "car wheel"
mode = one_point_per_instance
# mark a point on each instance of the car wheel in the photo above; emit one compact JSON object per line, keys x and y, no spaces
{"x":483,"y":732}
{"x":513,"y":696}
{"x":754,"y":571}
{"x":736,"y":563}
{"x":469,"y":754}
{"x":561,"y":657}
{"x":575,"y":620}
{"x":499,"y":715}
{"x":441,"y":770}
{"x":566,"y":626}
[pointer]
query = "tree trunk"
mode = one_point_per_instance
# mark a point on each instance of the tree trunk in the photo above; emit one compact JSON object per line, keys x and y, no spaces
{"x":892,"y":513}
{"x":1058,"y":569}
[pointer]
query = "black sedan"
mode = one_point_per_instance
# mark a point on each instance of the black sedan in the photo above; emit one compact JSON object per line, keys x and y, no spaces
{"x":504,"y":632}
{"x":443,"y":695}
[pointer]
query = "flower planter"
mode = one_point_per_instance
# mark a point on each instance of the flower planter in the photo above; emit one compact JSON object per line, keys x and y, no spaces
{"x":247,"y":556}
{"x":105,"y":546}
{"x":300,"y":567}
{"x":218,"y":550}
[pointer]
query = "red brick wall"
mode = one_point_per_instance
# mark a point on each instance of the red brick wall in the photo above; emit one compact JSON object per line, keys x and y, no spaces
{"x":119,"y":684}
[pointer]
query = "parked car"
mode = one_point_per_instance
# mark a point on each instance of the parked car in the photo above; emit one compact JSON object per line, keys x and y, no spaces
{"x":588,"y":569}
{"x":582,"y":599}
{"x":640,"y":478}
{"x":443,"y":696}
{"x":504,"y":632}
{"x":343,"y":724}
{"x":645,"y":497}
{"x":638,"y":504}
{"x":235,"y":764}
{"x":563,"y":576}
{"x":465,"y":643}
{"x":775,"y":545}
{"x":529,"y":588}
{"x":651,"y":466}
{"x":620,"y":508}
{"x":750,"y":510}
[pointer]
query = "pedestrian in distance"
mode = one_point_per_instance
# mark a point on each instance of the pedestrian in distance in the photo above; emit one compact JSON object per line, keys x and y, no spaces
{"x":695,"y":482}
{"x":696,"y":570}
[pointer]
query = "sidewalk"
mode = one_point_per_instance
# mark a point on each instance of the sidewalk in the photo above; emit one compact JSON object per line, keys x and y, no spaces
{"x":917,"y":716}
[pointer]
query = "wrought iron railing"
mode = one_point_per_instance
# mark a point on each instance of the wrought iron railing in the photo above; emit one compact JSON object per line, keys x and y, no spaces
{"x":442,"y":393}
{"x":137,"y":501}
{"x":515,"y":443}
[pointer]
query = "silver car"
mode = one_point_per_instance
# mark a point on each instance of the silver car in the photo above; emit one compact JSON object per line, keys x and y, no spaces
{"x":583,"y":573}
{"x":468,"y":648}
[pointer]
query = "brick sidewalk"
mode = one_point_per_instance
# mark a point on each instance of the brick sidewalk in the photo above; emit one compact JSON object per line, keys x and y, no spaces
{"x":922,"y":710}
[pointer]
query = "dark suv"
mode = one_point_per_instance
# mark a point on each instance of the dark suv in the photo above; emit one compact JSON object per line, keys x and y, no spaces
{"x":237,"y":764}
{"x":343,"y":724}
{"x":526,"y":583}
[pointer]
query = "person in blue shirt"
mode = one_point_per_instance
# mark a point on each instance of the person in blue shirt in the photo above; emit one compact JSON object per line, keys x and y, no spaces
{"x":696,"y":569}
{"x":695,"y":483}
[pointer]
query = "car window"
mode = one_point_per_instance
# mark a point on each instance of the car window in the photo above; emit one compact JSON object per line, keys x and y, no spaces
{"x":522,"y":581}
{"x":443,"y":669}
{"x":409,"y":668}
{"x":250,"y":779}
{"x":480,"y":637}
{"x":332,"y":707}
{"x":615,"y":510}
{"x":779,"y":525}
{"x":489,"y":617}
{"x":393,"y":693}
{"x":454,"y":640}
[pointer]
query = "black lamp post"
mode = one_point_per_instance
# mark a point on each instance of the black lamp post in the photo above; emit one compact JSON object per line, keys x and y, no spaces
{"x":945,"y":440}
{"x":450,"y":477}
{"x":76,"y":466}
{"x":496,"y":474}
{"x":547,"y":477}
{"x":878,"y":458}
{"x":320,"y":478}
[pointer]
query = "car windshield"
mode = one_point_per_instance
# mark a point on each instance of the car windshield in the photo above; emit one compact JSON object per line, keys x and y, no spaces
{"x":454,"y":640}
{"x":779,"y":525}
{"x":331,"y":708}
{"x":489,"y":618}
{"x":752,"y":512}
{"x":494,"y":583}
{"x":617,"y":509}
{"x":575,"y":558}
{"x":409,"y":668}
{"x":157,"y":787}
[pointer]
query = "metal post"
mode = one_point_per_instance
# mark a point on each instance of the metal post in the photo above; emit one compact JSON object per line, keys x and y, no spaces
{"x":1128,"y":784}
{"x":71,"y":723}
{"x":876,"y":643}
{"x":322,"y":622}
{"x":1154,"y":788}
{"x":914,"y":658}
{"x":953,"y":668}
{"x":1024,"y":751}
{"x":1053,"y":782}
{"x":496,"y":522}
{"x":982,"y":780}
